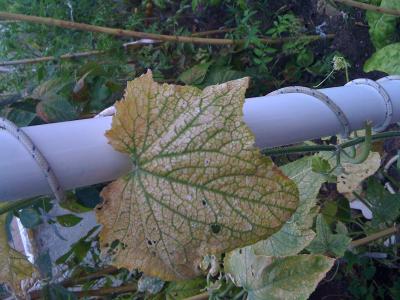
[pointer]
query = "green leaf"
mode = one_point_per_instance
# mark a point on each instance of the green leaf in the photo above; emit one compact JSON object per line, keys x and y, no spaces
{"x":195,"y":75}
{"x":344,"y":212}
{"x":383,"y":27}
{"x":21,"y":117}
{"x":327,"y":242}
{"x":179,"y":290}
{"x":320,"y":165}
{"x":57,"y":109}
{"x":48,"y":89}
{"x":305,"y":58}
{"x":218,"y":74}
{"x":385,"y":60}
{"x":197,"y":183}
{"x":272,"y":278}
{"x":88,"y":196}
{"x":99,"y":96}
{"x":296,"y":234}
{"x":80,"y":249}
{"x":329,"y":211}
{"x":71,"y":203}
{"x":385,"y":206}
{"x":68,"y":220}
{"x":29,"y":217}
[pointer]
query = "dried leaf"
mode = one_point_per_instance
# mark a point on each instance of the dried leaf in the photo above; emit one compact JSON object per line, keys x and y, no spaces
{"x":350,"y":180}
{"x":14,"y":267}
{"x":274,"y":278}
{"x":198,"y":186}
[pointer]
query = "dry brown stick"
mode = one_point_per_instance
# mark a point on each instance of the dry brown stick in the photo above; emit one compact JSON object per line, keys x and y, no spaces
{"x":128,"y":288}
{"x":49,"y":58}
{"x":142,"y":35}
{"x":115,"y":31}
{"x":370,"y":7}
{"x":107,"y":291}
{"x":375,"y":236}
{"x":26,"y":61}
{"x":215,"y":31}
{"x":91,"y":276}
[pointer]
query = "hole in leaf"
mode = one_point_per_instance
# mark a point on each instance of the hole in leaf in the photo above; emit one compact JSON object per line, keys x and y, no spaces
{"x":215,"y":228}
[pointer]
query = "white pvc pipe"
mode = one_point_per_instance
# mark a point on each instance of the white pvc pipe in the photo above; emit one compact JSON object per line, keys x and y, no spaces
{"x":80,"y":155}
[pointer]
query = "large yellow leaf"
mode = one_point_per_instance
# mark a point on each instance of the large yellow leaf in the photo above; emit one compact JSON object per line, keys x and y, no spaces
{"x":14,"y":267}
{"x":197,"y":185}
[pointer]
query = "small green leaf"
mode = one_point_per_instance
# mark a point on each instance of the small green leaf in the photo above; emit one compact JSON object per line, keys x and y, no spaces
{"x":68,"y":220}
{"x":218,"y":74}
{"x":341,"y":228}
{"x":259,"y":52}
{"x":195,"y":75}
{"x":344,"y":212}
{"x":21,"y":117}
{"x":99,"y":96}
{"x":81,"y":249}
{"x":63,"y":258}
{"x":183,"y":289}
{"x":320,"y":165}
{"x":385,"y":60}
{"x":88,"y":196}
{"x":329,"y":211}
{"x":305,"y":58}
{"x":273,"y":278}
{"x":29,"y":217}
{"x":385,"y":207}
{"x":57,"y":109}
{"x":327,"y":242}
{"x":71,"y":203}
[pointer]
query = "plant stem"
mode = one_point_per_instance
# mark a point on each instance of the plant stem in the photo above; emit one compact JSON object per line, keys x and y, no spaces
{"x":370,"y":7}
{"x":370,"y":238}
{"x":129,"y":288}
{"x":215,"y":31}
{"x":88,"y":277}
{"x":142,"y":35}
{"x":50,"y":58}
{"x":318,"y":148}
{"x":14,"y":205}
{"x":202,"y":296}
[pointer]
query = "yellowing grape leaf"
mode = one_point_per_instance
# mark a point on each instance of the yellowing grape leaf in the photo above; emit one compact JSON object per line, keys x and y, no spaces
{"x":14,"y":267}
{"x":197,"y":186}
